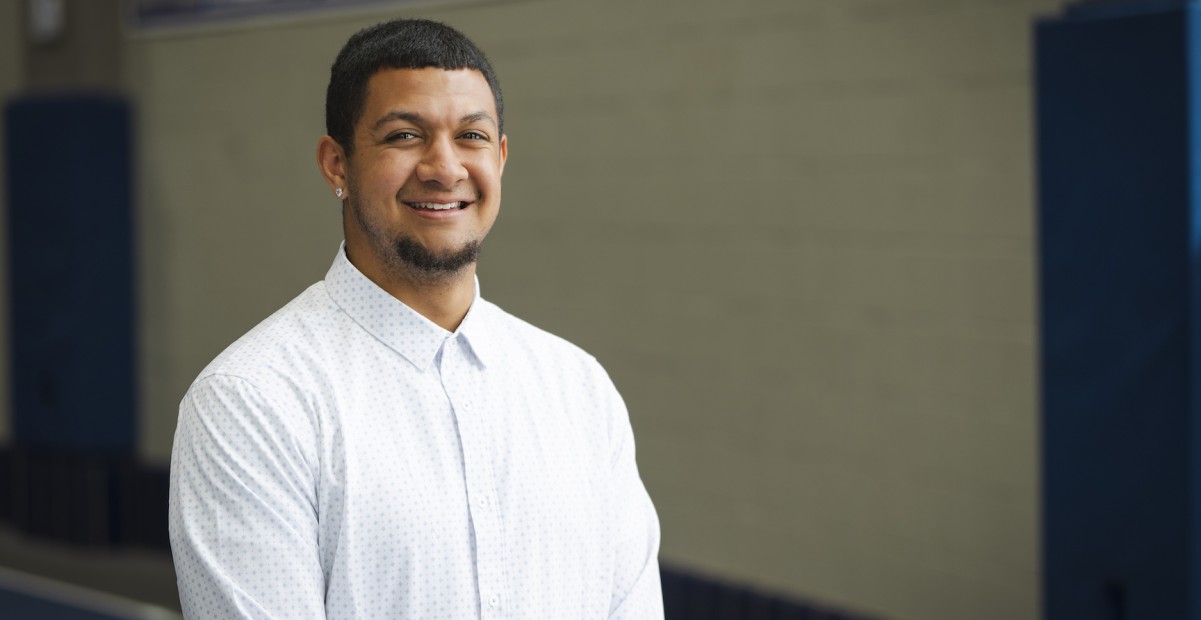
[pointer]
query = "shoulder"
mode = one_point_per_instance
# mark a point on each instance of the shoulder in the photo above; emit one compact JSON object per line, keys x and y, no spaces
{"x":282,"y":346}
{"x":519,"y":335}
{"x":550,"y":357}
{"x":264,"y":383}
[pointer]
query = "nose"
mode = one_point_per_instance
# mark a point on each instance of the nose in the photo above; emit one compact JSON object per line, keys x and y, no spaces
{"x":441,"y":164}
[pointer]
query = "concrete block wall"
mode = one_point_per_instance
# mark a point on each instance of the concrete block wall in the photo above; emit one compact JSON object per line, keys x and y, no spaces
{"x":799,"y":234}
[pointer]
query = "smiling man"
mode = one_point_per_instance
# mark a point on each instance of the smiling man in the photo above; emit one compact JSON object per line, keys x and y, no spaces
{"x":389,"y":444}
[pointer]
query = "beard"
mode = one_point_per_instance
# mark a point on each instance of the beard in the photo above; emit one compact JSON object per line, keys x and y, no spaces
{"x":411,"y":259}
{"x":428,"y":265}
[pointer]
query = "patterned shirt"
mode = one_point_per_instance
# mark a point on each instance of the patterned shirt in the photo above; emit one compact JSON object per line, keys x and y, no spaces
{"x":348,"y":458}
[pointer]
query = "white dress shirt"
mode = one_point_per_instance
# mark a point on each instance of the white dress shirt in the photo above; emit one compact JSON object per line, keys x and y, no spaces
{"x":348,"y":458}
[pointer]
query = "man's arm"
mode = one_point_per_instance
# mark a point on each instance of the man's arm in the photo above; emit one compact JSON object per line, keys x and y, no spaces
{"x":243,"y":512}
{"x":637,"y":594}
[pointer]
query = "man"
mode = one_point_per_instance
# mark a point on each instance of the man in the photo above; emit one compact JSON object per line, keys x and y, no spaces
{"x":389,"y":444}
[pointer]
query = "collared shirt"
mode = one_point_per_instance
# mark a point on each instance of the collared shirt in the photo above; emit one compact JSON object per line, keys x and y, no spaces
{"x":348,"y":458}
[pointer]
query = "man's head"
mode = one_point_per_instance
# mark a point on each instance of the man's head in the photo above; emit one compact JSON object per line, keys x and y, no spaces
{"x":398,"y":44}
{"x":415,"y":151}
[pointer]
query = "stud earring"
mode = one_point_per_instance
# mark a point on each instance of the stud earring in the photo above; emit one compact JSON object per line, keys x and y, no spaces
{"x":338,"y":192}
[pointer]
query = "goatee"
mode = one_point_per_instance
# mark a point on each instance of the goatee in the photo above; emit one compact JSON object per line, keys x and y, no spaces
{"x":427,"y":265}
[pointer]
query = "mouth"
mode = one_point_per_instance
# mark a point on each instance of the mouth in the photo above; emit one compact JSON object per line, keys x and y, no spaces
{"x":439,"y":206}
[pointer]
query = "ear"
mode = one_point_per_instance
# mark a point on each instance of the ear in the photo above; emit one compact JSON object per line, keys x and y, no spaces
{"x":331,"y":160}
{"x":504,"y":153}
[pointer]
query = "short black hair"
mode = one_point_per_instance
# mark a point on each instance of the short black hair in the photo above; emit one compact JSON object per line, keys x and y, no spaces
{"x":398,"y":44}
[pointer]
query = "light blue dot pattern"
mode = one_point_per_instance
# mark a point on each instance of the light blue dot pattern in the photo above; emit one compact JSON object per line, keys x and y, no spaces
{"x":348,"y":458}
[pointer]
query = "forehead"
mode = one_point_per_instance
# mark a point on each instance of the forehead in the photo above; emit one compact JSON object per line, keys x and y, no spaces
{"x":428,"y":91}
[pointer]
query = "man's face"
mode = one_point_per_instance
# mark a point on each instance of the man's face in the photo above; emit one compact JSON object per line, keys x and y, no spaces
{"x":424,"y":176}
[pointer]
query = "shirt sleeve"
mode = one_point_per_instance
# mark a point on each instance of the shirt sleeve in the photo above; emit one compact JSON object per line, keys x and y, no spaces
{"x":243,"y":516}
{"x":637,"y":594}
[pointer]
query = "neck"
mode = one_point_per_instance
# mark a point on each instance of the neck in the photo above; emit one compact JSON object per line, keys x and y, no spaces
{"x":444,"y":301}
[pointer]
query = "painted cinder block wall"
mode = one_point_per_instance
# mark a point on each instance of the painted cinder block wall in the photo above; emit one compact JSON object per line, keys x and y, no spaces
{"x":799,"y":234}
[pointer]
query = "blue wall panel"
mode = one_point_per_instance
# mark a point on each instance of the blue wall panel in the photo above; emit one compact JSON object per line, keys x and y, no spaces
{"x":1117,"y":273}
{"x":70,"y":239}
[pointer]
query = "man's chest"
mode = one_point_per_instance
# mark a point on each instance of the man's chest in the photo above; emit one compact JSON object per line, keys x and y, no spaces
{"x":498,"y":468}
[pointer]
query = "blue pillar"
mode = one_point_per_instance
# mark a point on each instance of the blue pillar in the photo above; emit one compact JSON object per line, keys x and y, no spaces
{"x":69,"y":472}
{"x":1119,"y":156}
{"x":71,"y":295}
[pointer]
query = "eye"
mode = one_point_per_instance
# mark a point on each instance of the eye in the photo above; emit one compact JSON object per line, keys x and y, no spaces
{"x":401,"y":135}
{"x":474,"y":135}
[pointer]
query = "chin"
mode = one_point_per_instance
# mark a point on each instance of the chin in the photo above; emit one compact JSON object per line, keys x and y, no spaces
{"x":425,"y":263}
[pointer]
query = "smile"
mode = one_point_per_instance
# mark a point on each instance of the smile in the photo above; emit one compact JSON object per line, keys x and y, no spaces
{"x":438,"y":206}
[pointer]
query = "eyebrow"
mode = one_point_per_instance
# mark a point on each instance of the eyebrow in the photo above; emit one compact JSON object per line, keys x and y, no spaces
{"x":417,"y":119}
{"x":477,"y":117}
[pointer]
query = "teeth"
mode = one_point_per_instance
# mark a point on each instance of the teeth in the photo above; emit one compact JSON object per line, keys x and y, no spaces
{"x":436,"y":206}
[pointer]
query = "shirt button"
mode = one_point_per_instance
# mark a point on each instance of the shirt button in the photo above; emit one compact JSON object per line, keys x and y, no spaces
{"x":482,"y":501}
{"x":494,"y":601}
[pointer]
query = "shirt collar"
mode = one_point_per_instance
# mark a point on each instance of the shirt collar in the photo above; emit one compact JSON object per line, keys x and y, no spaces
{"x":479,"y":329}
{"x":398,"y":326}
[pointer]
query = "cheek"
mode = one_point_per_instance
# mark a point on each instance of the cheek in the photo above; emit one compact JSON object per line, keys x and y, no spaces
{"x":386,"y":173}
{"x":487,"y":176}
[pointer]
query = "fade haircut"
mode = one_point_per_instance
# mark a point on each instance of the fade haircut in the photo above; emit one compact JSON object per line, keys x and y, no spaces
{"x":398,"y":44}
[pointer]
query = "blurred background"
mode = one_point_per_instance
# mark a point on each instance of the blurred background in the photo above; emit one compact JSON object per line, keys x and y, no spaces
{"x":799,"y":234}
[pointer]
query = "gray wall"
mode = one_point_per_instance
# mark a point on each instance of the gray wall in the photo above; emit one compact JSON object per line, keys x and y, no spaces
{"x":798,"y":233}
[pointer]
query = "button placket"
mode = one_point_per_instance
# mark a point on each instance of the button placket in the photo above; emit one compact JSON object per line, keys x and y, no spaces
{"x":457,"y":373}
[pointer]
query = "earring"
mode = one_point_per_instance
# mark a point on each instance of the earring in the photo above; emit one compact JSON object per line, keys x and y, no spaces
{"x":338,"y":192}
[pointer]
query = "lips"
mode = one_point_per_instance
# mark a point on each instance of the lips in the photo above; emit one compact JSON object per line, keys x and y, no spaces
{"x":438,"y":206}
